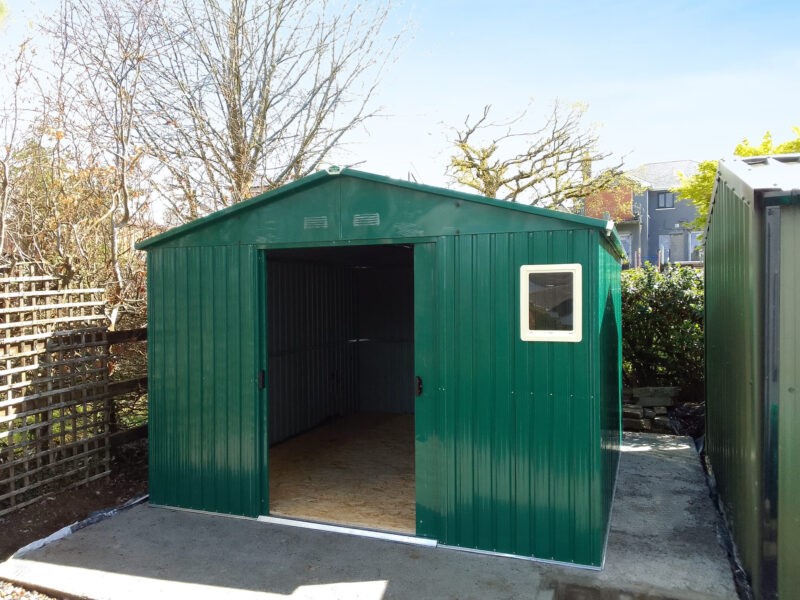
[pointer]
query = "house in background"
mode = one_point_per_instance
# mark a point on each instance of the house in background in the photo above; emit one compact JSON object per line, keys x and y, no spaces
{"x":653,"y":225}
{"x":617,"y":204}
{"x":666,"y":234}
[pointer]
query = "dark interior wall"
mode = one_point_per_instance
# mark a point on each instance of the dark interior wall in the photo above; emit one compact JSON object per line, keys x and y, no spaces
{"x":339,"y":334}
{"x":311,"y":322}
{"x":386,"y":333}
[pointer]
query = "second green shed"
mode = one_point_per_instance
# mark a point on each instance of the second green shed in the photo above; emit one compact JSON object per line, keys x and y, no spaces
{"x":753,"y":363}
{"x":375,"y":354}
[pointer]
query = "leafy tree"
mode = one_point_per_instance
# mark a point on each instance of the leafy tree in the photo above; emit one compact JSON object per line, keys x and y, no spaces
{"x":698,"y":188}
{"x":767,"y":146}
{"x":60,"y":217}
{"x":70,"y":196}
{"x":551,"y":166}
{"x":662,"y":328}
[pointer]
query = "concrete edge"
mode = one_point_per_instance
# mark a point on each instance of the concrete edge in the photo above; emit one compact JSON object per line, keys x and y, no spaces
{"x":93,"y":518}
{"x":611,"y":510}
{"x":725,"y":531}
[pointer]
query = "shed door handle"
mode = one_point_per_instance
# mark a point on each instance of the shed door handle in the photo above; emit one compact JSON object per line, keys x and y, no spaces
{"x":262,"y":379}
{"x":419,"y":385}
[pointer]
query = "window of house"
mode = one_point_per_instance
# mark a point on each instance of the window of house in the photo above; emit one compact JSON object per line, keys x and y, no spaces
{"x":551,"y":303}
{"x":664,"y":247}
{"x":666,"y":200}
{"x":695,"y":248}
{"x":625,"y":240}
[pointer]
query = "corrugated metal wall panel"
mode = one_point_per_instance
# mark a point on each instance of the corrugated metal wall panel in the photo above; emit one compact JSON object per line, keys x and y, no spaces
{"x":789,"y":407}
{"x":429,"y":453}
{"x":386,"y":376}
{"x":340,"y":339}
{"x":312,"y":323}
{"x":203,"y":397}
{"x":733,"y":378}
{"x":385,"y":297}
{"x":508,"y":435}
{"x":609,"y":377}
{"x":519,"y":420}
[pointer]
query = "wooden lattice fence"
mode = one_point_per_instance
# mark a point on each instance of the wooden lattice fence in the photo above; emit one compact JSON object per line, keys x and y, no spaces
{"x":54,"y":387}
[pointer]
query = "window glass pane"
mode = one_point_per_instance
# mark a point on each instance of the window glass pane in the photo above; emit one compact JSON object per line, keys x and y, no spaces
{"x":695,"y":250}
{"x":550,"y":302}
{"x":625,"y":239}
{"x":664,"y":243}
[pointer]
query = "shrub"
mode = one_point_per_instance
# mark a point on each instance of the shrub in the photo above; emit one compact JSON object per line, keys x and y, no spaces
{"x":662,"y":329}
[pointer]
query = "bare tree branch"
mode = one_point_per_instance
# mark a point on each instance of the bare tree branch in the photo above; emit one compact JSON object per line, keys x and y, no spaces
{"x":551,"y":170}
{"x":10,"y":122}
{"x":251,"y":95}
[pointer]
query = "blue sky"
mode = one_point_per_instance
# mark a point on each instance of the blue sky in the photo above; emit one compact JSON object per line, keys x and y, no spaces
{"x":663,"y":80}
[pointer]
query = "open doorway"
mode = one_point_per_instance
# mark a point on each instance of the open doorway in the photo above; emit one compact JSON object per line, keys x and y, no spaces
{"x":340,"y":342}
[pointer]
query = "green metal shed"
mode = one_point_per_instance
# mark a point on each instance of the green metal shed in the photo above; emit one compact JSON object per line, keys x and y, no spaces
{"x":753,"y":363}
{"x":492,"y":328}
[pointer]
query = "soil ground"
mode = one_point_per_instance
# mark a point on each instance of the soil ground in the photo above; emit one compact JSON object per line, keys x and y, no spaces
{"x":128,"y":480}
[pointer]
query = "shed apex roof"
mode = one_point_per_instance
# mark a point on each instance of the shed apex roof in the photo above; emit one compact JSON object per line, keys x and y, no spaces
{"x":317,"y":177}
{"x":663,"y":175}
{"x":780,"y":172}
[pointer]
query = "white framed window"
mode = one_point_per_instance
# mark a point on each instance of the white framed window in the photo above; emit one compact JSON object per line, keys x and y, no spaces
{"x":551,"y":303}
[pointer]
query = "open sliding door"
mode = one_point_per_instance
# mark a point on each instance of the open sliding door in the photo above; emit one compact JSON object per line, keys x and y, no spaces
{"x":428,"y":445}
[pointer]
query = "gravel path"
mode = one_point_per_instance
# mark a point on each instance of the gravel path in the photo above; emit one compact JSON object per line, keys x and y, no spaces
{"x":8,"y":591}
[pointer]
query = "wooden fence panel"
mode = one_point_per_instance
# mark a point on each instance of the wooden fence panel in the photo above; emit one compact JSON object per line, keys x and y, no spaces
{"x":54,"y":388}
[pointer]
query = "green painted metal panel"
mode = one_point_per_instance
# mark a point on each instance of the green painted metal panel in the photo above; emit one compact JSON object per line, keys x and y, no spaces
{"x":752,"y":334}
{"x":428,"y":413}
{"x":203,"y":397}
{"x":734,"y":348}
{"x":356,"y":206}
{"x":516,"y":442}
{"x":789,"y":407}
{"x":516,"y":426}
{"x":609,"y":383}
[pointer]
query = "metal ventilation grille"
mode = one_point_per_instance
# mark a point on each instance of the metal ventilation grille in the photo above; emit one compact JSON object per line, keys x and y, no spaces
{"x":366,"y":220}
{"x":315,"y":222}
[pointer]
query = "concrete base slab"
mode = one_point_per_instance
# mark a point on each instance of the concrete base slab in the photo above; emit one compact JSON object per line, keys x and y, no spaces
{"x":663,"y":544}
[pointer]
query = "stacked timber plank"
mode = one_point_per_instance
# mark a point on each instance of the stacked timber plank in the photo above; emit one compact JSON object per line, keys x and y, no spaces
{"x":646,"y":408}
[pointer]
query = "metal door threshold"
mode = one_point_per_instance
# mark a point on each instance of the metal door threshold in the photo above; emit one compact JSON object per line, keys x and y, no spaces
{"x":368,"y":533}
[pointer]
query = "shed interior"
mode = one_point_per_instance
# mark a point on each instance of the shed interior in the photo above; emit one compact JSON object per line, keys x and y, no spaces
{"x":340,"y":344}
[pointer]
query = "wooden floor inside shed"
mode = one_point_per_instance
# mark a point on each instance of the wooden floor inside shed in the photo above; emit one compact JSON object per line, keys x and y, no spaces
{"x":357,"y":470}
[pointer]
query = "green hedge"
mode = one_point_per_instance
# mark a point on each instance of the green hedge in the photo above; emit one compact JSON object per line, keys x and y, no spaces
{"x":662,"y":329}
